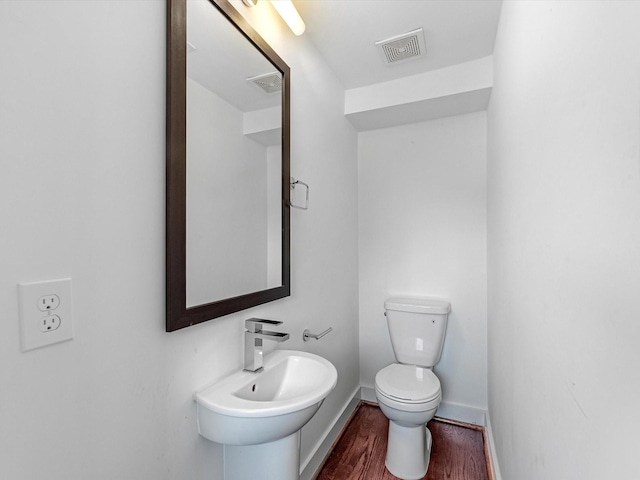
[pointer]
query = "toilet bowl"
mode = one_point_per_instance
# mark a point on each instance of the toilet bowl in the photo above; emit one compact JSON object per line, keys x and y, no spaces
{"x":408,"y":392}
{"x":409,"y":397}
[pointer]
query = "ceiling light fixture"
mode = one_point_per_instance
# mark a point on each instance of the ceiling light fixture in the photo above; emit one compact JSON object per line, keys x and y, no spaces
{"x":287,"y":10}
{"x":290,"y":15}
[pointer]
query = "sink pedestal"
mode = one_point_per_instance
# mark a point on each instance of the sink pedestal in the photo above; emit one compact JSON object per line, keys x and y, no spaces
{"x":277,"y":460}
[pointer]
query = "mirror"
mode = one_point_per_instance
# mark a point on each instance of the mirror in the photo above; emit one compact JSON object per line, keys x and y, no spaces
{"x":227,"y":165}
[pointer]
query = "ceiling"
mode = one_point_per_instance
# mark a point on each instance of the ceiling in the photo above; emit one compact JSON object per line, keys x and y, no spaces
{"x":345,"y":32}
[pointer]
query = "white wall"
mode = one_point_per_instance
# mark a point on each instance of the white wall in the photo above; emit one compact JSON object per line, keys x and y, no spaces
{"x":422,"y":232}
{"x":82,"y":103}
{"x":564,"y":231}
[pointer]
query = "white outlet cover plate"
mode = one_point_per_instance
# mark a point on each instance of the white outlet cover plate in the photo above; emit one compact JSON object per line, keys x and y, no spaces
{"x":31,"y":335}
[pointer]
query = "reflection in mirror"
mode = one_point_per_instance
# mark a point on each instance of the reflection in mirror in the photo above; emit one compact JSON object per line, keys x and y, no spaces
{"x":234,"y":154}
{"x":227,"y":165}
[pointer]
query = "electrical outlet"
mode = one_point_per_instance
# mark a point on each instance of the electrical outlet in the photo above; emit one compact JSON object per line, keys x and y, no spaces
{"x":49,"y":323}
{"x":48,"y":302}
{"x":45,"y":313}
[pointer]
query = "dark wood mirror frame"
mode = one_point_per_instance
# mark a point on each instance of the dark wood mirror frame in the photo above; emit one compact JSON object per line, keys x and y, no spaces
{"x":178,"y":315}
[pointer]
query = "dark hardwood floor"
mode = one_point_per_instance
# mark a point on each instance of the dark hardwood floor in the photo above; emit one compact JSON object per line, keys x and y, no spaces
{"x":457,"y":452}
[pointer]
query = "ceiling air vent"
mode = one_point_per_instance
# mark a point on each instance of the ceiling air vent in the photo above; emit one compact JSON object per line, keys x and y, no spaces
{"x":402,"y":47}
{"x":268,"y":82}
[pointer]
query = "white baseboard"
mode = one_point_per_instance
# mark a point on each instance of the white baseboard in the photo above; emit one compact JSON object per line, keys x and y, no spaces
{"x":451,"y":411}
{"x":368,"y":394}
{"x":461,"y":413}
{"x":492,"y":448}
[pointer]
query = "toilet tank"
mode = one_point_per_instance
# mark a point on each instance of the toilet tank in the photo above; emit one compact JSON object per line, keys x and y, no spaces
{"x":417,"y":327}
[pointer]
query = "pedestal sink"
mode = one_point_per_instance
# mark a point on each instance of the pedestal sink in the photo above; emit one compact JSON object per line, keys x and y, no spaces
{"x":258,"y":417}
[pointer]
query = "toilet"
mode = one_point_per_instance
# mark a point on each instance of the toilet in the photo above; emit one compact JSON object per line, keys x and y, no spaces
{"x":408,"y":391}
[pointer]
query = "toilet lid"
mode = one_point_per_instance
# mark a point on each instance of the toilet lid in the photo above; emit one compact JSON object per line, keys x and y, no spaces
{"x":408,"y":383}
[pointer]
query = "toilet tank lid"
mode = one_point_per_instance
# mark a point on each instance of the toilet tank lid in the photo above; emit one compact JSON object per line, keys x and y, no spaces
{"x":418,"y":305}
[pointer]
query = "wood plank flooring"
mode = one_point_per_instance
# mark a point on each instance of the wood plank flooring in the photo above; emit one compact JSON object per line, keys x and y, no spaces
{"x":457,"y":452}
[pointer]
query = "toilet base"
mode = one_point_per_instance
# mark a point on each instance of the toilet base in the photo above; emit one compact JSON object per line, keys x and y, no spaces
{"x":408,"y":451}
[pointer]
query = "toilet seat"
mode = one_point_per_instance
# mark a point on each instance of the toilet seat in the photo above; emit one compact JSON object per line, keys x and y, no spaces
{"x":408,"y":384}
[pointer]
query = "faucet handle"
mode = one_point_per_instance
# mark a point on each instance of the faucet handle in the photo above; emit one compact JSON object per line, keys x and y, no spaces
{"x":254,"y":325}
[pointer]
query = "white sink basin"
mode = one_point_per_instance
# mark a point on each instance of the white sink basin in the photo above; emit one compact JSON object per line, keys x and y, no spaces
{"x":249,"y":409}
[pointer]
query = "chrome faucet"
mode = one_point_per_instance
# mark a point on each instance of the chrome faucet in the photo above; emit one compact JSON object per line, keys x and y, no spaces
{"x":253,"y":336}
